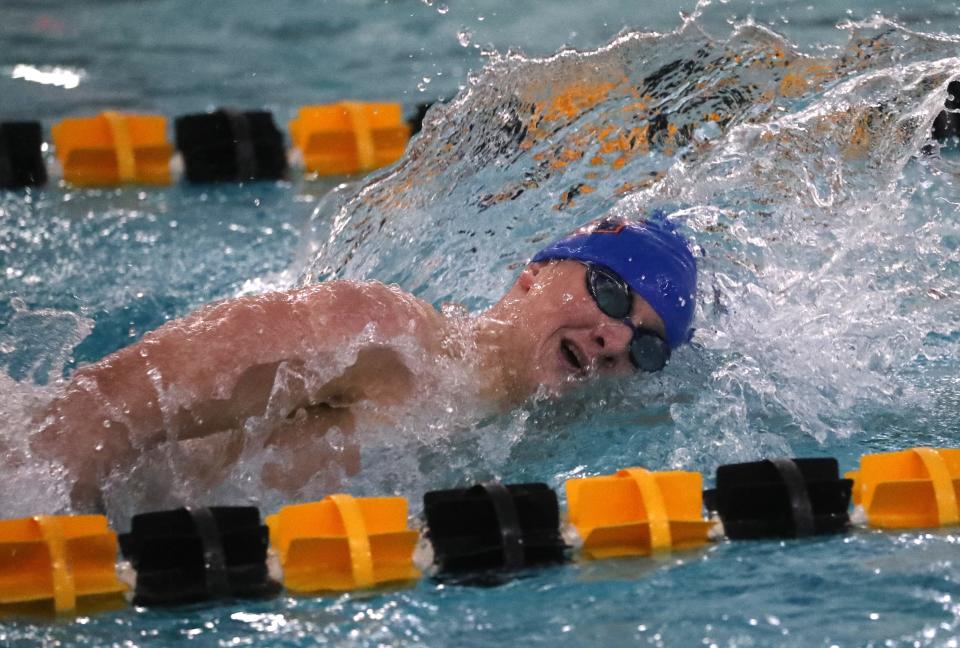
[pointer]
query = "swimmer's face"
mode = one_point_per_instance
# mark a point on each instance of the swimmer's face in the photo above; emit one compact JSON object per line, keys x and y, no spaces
{"x":566,"y":338}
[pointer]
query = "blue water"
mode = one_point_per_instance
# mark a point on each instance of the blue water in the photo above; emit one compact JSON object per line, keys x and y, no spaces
{"x":827,"y":318}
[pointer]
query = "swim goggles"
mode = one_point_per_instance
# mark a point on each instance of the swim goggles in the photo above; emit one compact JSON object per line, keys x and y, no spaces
{"x":648,"y":351}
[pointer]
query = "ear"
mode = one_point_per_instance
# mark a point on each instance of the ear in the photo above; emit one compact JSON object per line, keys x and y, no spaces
{"x":529,"y":276}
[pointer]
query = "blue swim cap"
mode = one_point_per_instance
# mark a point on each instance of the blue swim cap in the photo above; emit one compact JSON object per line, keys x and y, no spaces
{"x":650,"y":255}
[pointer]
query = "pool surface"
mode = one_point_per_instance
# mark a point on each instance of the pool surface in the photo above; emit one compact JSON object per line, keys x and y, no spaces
{"x":790,"y":140}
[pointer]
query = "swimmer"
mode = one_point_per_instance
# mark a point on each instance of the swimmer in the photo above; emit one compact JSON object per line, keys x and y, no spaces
{"x":613,"y":298}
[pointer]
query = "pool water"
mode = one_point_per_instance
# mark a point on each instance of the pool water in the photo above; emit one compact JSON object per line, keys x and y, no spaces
{"x":791,"y":141}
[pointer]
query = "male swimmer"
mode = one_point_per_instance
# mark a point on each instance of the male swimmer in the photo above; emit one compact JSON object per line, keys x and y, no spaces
{"x":612,"y":298}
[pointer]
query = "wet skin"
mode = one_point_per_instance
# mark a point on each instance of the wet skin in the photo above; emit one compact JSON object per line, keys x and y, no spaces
{"x":219,"y":366}
{"x":223,"y":364}
{"x":556,"y":336}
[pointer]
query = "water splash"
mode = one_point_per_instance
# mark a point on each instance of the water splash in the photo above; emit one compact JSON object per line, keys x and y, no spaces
{"x":35,"y":345}
{"x":828,"y":246}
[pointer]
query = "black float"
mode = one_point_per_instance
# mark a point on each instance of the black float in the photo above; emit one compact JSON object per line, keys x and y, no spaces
{"x":946,"y":127}
{"x":416,"y":120}
{"x":231,"y":146}
{"x":493,"y":526}
{"x":197,"y":554}
{"x":781,"y":498}
{"x":21,"y":160}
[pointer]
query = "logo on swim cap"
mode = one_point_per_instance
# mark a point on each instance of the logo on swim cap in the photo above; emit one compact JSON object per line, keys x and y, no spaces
{"x":607,"y":225}
{"x":649,"y":254}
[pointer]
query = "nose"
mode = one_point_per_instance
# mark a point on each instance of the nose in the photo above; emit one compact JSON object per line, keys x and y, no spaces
{"x":611,"y":340}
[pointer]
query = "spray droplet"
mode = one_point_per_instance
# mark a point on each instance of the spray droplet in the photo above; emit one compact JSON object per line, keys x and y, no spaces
{"x":336,"y":439}
{"x":464,"y":36}
{"x":442,"y":9}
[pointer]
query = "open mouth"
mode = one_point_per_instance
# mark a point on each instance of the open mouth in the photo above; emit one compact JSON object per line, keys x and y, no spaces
{"x":572,"y":355}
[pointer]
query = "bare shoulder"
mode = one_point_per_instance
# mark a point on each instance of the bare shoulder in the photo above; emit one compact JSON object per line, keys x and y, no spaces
{"x":374,"y":306}
{"x":292,"y":322}
{"x":342,"y":301}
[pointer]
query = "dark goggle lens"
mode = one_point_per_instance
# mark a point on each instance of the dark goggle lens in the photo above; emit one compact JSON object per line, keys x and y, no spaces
{"x":648,"y":352}
{"x":611,"y":294}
